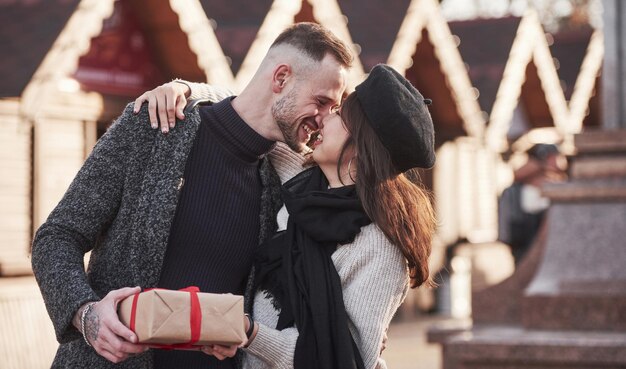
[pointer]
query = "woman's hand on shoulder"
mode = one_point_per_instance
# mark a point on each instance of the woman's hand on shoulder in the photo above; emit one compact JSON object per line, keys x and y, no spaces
{"x":165,"y":104}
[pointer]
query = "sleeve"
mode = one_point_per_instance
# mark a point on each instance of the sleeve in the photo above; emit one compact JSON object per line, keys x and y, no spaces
{"x":275,"y":348}
{"x":287,"y":162}
{"x":71,"y":230}
{"x":206,"y":91}
{"x":374,"y":280}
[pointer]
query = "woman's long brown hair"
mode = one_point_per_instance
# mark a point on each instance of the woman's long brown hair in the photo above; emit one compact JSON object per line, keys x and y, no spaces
{"x":402,"y":209}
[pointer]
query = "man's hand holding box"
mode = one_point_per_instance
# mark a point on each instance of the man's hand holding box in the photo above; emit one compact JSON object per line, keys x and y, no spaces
{"x":184,"y":319}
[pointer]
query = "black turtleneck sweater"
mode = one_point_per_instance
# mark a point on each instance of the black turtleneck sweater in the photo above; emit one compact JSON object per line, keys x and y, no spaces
{"x":216,"y":226}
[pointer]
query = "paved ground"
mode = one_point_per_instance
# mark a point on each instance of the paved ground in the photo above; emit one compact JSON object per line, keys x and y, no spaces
{"x":407,"y":347}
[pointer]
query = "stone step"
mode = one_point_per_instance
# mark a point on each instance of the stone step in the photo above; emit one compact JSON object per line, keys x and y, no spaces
{"x":510,"y":347}
{"x":600,"y":142}
{"x":578,"y":311}
{"x":598,"y":167}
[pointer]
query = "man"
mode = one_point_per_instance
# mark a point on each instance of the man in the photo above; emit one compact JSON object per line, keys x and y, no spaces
{"x":187,"y":208}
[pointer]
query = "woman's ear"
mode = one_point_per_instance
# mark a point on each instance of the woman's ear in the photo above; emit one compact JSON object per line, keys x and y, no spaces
{"x":281,"y":74}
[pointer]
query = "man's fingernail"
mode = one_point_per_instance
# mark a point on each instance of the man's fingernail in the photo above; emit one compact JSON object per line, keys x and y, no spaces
{"x":154,"y":125}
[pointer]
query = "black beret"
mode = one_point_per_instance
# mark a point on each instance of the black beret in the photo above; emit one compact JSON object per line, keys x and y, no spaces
{"x":398,"y":114}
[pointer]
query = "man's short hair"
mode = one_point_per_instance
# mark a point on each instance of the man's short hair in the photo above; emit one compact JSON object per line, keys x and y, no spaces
{"x":315,"y":41}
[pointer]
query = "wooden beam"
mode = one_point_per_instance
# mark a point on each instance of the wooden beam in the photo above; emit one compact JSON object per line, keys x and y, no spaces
{"x":585,"y":86}
{"x":59,"y":154}
{"x":614,"y":67}
{"x":328,"y":14}
{"x":62,"y":59}
{"x":203,"y":42}
{"x":280,"y":16}
{"x":426,"y":14}
{"x":15,"y":190}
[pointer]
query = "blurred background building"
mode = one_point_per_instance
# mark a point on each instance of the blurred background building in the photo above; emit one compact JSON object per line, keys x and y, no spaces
{"x":504,"y":75}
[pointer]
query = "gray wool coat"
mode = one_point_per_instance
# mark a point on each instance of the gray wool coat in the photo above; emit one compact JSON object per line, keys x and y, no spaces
{"x":120,"y":207}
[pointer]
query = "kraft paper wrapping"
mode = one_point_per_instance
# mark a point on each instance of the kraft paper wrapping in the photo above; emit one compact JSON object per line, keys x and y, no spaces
{"x":162,"y":317}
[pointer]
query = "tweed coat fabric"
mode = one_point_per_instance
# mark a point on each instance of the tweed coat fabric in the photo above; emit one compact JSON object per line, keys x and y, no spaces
{"x":120,"y":207}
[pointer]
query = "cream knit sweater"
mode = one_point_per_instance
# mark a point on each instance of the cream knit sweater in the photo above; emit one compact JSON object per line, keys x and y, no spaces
{"x":374,"y":278}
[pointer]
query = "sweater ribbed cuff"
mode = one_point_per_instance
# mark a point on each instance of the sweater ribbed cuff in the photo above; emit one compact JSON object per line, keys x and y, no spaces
{"x":272,"y":346}
{"x":205,"y":91}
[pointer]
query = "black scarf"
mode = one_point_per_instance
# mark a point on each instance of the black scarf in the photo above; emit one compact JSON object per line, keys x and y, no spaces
{"x":296,"y":270}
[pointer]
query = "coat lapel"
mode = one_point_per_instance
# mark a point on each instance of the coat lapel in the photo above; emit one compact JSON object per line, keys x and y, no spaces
{"x":156,"y":206}
{"x":270,"y":205}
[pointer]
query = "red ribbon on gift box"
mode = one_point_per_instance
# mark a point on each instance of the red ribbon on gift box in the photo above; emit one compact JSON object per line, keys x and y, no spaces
{"x":195,"y":319}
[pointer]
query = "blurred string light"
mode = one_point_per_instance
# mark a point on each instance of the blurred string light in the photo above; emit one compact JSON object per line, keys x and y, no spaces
{"x":550,"y":11}
{"x":68,"y":85}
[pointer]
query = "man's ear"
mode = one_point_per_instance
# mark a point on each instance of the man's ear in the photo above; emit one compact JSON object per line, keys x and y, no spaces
{"x":281,"y":74}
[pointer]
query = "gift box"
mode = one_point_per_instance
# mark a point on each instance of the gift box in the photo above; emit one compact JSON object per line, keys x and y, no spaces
{"x":184,"y":319}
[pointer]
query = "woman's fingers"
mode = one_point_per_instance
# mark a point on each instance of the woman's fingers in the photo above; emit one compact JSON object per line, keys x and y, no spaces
{"x":139,"y":101}
{"x":181,"y":102}
{"x":220,"y":352}
{"x":152,"y":111}
{"x":165,"y":104}
{"x":207,"y":350}
{"x":162,"y":109}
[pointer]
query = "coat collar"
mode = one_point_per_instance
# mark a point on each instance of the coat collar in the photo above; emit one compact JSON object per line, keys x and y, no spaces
{"x":160,"y":188}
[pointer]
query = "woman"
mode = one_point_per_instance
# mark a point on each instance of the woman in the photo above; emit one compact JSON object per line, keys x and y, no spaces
{"x":353,"y":233}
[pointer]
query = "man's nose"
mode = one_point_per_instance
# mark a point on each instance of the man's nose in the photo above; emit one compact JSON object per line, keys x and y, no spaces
{"x":319,"y":120}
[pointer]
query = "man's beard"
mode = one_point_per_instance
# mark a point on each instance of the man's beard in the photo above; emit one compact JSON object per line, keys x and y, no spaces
{"x":283,"y":112}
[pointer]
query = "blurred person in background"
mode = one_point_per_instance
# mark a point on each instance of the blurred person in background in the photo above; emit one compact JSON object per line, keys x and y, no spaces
{"x":521,"y":207}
